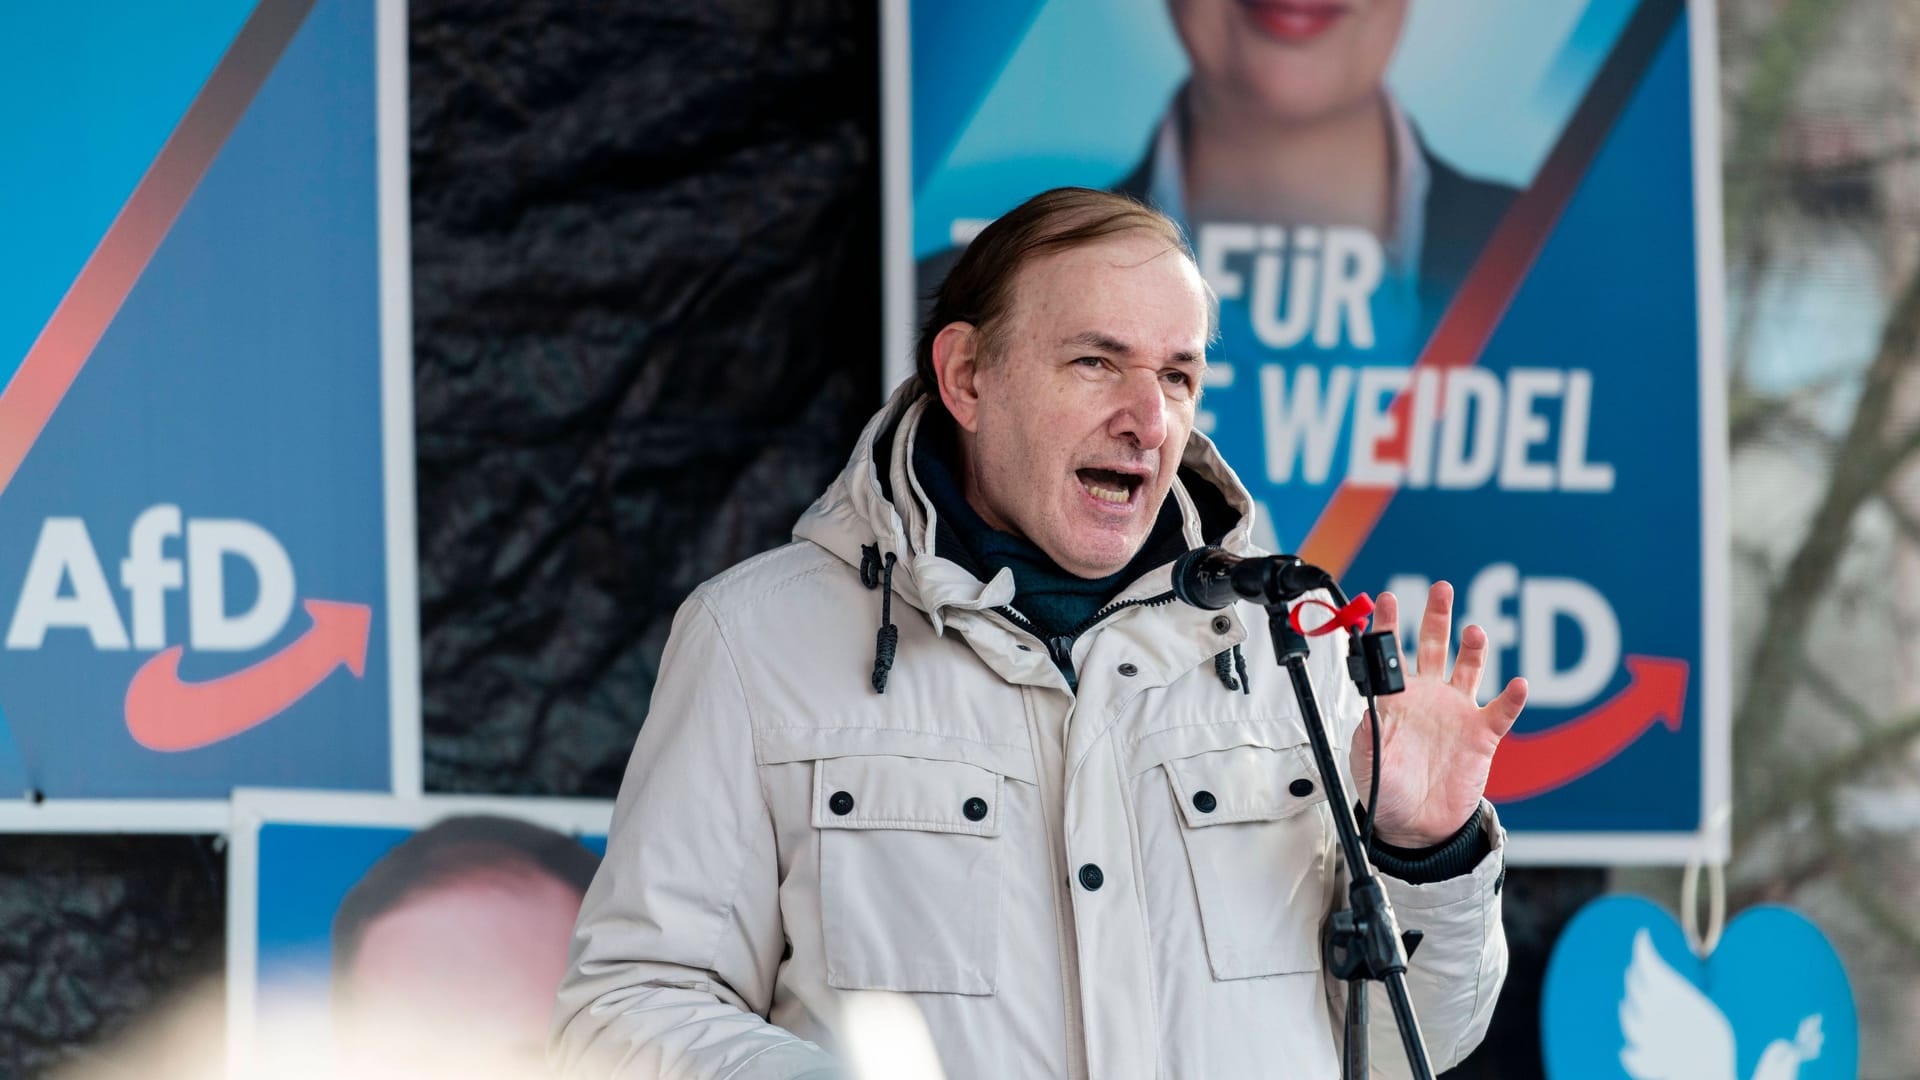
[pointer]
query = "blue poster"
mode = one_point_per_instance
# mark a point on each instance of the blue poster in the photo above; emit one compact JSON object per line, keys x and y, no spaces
{"x":203,"y":485}
{"x":1469,"y":324}
{"x":374,"y":930}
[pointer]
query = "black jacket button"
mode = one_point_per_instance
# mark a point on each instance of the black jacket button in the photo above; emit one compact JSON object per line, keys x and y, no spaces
{"x":975,"y":808}
{"x":1091,"y":877}
{"x":1204,"y":801}
{"x":1129,"y":670}
{"x":1302,"y":787}
{"x":1222,"y":624}
{"x":840,"y":803}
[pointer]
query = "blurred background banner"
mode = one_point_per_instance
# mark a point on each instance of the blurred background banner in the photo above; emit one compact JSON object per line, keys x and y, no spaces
{"x":424,"y":931}
{"x":206,"y":464}
{"x":1468,"y":256}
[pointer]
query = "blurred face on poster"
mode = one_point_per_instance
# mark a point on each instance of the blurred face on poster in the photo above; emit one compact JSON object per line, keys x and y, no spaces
{"x":1287,"y":62}
{"x":1285,"y":116}
{"x":458,"y":977}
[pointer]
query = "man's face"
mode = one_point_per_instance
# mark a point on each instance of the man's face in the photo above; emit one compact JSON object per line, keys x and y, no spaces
{"x":1289,"y":61}
{"x":459,"y":979}
{"x":1078,"y":426}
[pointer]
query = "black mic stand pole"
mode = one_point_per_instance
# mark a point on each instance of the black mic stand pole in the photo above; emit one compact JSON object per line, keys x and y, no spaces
{"x":1364,"y":943}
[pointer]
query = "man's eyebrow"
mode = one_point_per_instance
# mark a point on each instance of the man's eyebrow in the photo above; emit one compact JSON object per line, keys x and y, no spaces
{"x":1094,"y":339}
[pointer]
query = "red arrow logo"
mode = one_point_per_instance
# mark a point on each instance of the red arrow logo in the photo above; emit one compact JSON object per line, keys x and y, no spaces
{"x":1528,"y":765}
{"x":164,"y":713}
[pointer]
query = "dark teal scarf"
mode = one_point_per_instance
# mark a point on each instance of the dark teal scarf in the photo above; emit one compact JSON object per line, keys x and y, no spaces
{"x":1054,"y":600}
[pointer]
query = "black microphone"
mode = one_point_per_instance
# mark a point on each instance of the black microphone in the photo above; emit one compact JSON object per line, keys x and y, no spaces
{"x":1210,"y":577}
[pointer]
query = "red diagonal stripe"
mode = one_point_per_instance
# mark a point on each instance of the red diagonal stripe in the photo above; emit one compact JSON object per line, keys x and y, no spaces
{"x":1462,"y":335}
{"x":102,"y":286}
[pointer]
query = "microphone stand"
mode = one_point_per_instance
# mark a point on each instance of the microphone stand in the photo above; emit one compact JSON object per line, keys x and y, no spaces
{"x":1364,"y":944}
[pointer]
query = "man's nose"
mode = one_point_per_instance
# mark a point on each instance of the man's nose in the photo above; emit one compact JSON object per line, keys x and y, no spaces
{"x":1142,"y":414}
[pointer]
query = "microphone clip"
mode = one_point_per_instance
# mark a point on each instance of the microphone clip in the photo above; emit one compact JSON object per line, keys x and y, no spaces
{"x":1375,"y":666}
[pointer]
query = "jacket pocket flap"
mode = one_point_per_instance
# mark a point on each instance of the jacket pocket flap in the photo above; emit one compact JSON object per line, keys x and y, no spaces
{"x":1245,"y":783}
{"x":778,"y":746}
{"x":885,"y":792}
{"x":1275,"y":731}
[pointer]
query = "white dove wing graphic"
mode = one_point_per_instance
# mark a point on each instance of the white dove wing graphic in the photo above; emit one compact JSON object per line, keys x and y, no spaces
{"x":1673,"y":1031}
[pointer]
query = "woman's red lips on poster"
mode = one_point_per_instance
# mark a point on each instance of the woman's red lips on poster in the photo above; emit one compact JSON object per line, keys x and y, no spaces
{"x":1293,"y":21}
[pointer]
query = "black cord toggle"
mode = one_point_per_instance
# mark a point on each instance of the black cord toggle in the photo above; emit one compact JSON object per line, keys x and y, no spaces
{"x":873,"y":572}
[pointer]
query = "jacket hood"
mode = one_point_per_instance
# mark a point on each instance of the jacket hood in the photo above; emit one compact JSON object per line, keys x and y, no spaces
{"x":876,"y":500}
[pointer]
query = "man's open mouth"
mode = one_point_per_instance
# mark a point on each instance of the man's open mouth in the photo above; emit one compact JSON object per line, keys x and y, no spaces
{"x":1109,"y":486}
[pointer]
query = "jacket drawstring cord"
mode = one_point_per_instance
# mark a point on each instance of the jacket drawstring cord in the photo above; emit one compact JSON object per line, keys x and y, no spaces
{"x":1223,"y":668}
{"x":874,"y":573}
{"x":1225,"y":662}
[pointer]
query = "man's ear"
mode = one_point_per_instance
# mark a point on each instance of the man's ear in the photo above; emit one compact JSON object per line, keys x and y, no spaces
{"x":956,"y":366}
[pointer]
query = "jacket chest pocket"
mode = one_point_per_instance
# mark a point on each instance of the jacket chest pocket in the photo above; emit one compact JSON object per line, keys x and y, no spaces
{"x":909,"y":873}
{"x":1259,"y":841}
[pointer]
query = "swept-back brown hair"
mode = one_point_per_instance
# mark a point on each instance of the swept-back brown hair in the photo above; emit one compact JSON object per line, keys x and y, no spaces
{"x":979,"y":288}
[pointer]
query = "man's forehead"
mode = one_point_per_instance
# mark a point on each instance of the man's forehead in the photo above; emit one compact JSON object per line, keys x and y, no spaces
{"x":1135,"y":289}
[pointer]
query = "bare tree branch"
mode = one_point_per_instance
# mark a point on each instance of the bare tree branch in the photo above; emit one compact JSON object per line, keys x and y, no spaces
{"x":1865,"y":895}
{"x":1779,"y":886}
{"x":1887,"y":915}
{"x":1789,"y":45}
{"x":1861,"y":468}
{"x":1858,"y":163}
{"x":1750,"y":188}
{"x":1810,"y":785}
{"x":1903,"y":518}
{"x":1833,"y":694}
{"x":1751,"y":416}
{"x":1903,"y":449}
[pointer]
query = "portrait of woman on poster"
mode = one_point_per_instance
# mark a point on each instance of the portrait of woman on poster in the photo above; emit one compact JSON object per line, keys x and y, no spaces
{"x":1286,"y":119}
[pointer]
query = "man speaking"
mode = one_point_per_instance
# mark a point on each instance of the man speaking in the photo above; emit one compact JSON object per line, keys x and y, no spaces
{"x":958,"y":742}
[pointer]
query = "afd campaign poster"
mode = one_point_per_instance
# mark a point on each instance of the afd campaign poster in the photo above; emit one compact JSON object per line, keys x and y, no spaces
{"x":206,"y":525}
{"x":1467,"y":254}
{"x":371,"y":934}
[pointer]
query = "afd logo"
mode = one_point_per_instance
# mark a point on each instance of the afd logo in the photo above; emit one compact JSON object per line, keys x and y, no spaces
{"x":66,"y":588}
{"x":1532,"y":763}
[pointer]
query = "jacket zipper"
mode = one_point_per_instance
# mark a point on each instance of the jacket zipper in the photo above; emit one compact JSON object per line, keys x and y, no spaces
{"x":1060,"y":649}
{"x":1060,"y":646}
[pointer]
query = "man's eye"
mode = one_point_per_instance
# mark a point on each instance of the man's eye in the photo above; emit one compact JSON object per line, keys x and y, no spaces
{"x":1090,"y":361}
{"x":1179,"y":378}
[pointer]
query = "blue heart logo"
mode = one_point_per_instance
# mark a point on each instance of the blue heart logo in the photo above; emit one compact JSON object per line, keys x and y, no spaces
{"x":1626,"y":999}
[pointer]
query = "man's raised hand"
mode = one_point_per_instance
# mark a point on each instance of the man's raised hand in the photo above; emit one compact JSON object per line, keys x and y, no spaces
{"x":1438,"y":742}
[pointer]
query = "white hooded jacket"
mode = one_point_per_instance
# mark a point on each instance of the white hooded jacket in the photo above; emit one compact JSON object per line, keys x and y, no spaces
{"x":1129,"y":880}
